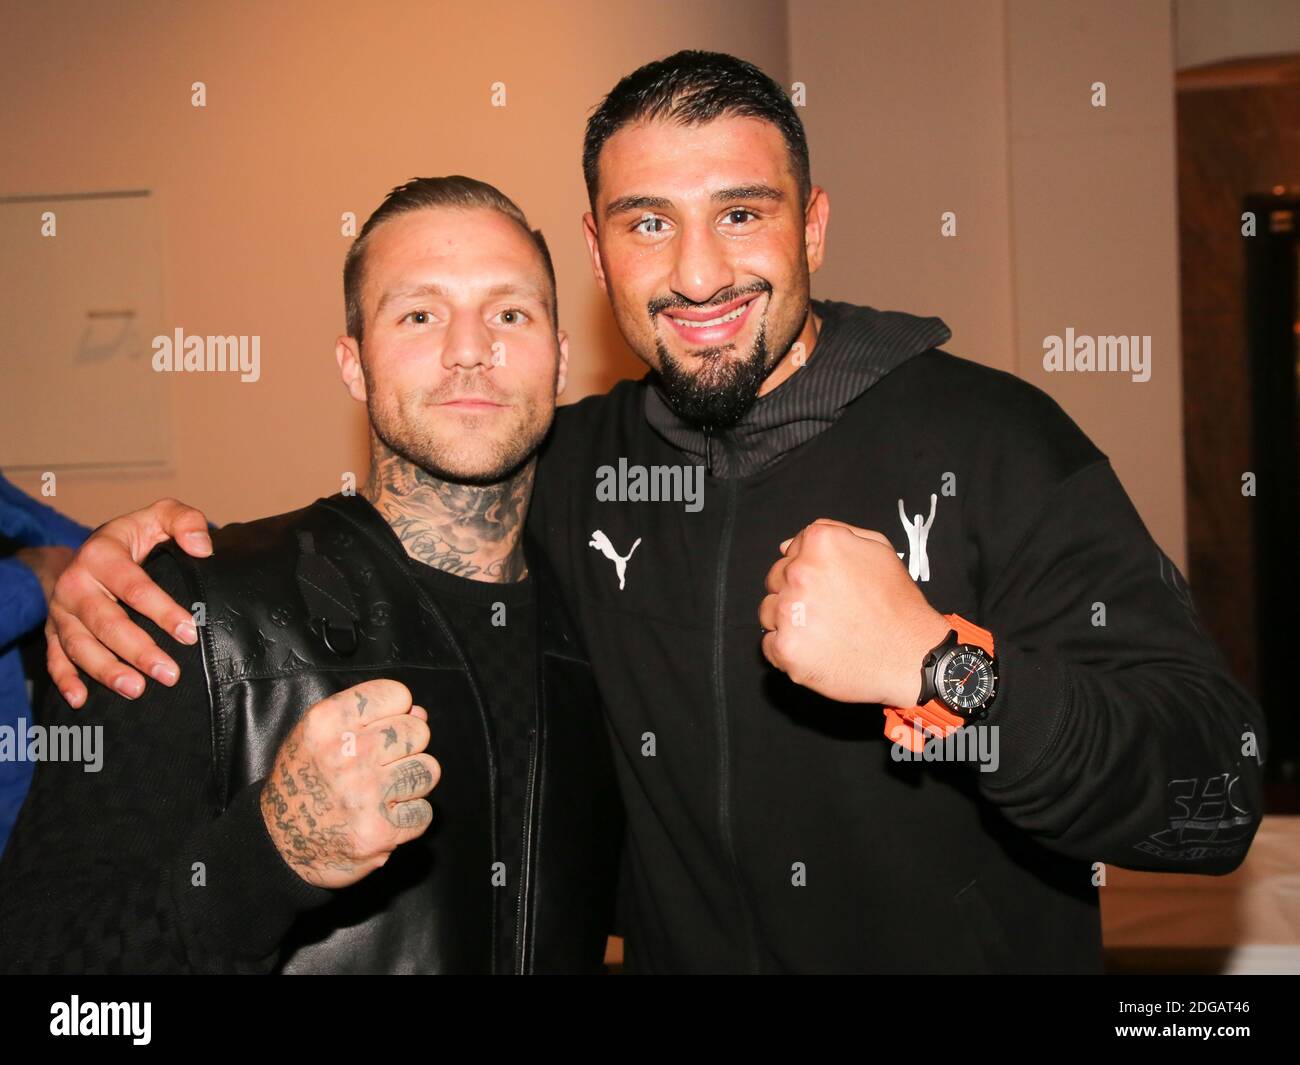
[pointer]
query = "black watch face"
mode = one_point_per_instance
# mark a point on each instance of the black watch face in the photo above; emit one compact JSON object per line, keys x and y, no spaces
{"x":965,"y":679}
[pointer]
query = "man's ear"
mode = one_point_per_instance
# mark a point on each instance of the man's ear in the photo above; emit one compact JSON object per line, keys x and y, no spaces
{"x":347,"y":352}
{"x":817,"y":219}
{"x":562,"y":378}
{"x":593,"y":249}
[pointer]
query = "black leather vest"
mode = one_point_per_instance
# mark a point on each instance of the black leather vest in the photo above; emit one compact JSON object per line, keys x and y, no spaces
{"x":272,"y":647}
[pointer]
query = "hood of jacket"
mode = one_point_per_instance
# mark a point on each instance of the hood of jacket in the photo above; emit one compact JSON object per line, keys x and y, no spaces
{"x":855,"y":348}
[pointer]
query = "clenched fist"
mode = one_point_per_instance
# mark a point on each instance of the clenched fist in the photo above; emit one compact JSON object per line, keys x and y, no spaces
{"x":348,"y":783}
{"x":843,"y":617}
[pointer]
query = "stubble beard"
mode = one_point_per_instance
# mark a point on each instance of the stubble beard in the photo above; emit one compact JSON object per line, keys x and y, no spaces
{"x":400,"y":432}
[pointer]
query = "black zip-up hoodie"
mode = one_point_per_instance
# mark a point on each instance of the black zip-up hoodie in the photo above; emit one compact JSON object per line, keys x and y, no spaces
{"x":773,"y":830}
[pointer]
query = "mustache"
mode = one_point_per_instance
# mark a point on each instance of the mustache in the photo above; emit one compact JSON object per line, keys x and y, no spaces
{"x":456,"y":392}
{"x":671,"y":303}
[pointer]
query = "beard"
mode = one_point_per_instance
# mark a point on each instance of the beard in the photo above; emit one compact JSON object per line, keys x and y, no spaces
{"x":479,"y":462}
{"x":721,"y":390}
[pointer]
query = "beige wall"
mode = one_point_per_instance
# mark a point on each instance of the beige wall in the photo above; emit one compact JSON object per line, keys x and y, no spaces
{"x":1065,"y":214}
{"x":1095,"y":228}
{"x":315,"y":109}
{"x":907,"y":119}
{"x":1206,"y":31}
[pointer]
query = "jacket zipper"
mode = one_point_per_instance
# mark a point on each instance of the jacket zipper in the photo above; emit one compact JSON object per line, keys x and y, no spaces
{"x":724,"y":731}
{"x":522,"y":908}
{"x":526,"y":866}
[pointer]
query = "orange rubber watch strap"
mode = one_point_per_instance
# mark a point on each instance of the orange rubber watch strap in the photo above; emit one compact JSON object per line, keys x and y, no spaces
{"x":933,"y":717}
{"x":969,"y":632}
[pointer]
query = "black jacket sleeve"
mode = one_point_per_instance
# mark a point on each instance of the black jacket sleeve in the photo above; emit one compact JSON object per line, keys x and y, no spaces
{"x":131,"y":866}
{"x":1123,"y":737}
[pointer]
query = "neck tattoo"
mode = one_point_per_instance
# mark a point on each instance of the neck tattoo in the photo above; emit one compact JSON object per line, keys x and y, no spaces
{"x":466,"y":530}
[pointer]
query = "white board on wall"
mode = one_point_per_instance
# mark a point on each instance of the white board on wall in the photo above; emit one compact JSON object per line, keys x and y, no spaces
{"x":78,"y":314}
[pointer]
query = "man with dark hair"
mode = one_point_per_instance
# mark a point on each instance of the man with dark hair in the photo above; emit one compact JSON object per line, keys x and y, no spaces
{"x":889,"y":528}
{"x":275,"y":810}
{"x":693,"y":88}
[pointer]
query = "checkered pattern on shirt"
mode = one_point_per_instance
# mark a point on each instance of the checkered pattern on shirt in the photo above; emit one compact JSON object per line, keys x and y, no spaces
{"x":504,"y":659}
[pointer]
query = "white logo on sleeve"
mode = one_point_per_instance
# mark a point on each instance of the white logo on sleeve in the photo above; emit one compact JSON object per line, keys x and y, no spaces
{"x":601,"y":543}
{"x":918,"y":565}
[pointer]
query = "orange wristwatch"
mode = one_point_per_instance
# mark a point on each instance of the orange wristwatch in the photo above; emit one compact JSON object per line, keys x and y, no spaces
{"x":959,"y":680}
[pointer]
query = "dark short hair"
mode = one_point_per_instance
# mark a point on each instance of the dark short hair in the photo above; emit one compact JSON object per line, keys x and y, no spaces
{"x":417,"y":194}
{"x":692,"y":88}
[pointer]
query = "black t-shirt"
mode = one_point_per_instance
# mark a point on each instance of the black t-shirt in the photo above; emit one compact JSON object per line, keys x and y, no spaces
{"x":496,"y":625}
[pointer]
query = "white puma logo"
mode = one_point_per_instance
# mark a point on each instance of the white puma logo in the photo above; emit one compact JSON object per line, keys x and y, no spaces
{"x":601,"y":543}
{"x":918,"y":563}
